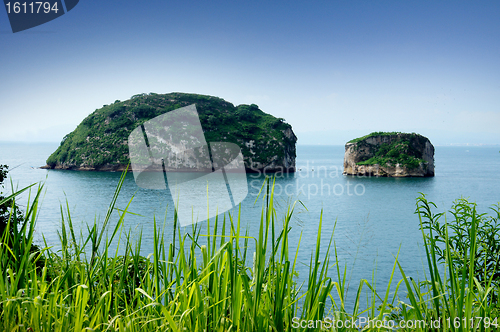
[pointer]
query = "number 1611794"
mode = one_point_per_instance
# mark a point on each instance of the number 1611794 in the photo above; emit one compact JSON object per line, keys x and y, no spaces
{"x":35,"y":7}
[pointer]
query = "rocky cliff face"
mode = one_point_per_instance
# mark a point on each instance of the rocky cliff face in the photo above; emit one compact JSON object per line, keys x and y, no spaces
{"x":100,"y":142}
{"x":390,"y":154}
{"x":283,"y":162}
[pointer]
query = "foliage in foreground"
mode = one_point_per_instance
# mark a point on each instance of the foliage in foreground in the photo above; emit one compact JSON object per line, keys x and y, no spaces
{"x":205,"y":284}
{"x":9,"y":207}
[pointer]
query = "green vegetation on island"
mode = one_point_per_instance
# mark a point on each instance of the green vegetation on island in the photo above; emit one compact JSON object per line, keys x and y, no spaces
{"x":375,"y":133}
{"x":100,"y":141}
{"x":390,"y":154}
{"x":212,"y":280}
{"x":400,"y":151}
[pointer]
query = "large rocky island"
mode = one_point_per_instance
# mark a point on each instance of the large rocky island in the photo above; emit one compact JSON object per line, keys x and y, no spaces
{"x":391,"y":154}
{"x":99,"y":143}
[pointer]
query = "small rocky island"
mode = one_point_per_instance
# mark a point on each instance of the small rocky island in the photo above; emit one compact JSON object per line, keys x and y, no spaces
{"x":391,"y":154}
{"x":100,"y":142}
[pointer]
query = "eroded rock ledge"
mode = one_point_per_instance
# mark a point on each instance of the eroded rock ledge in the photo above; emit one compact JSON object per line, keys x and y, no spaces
{"x":389,"y":154}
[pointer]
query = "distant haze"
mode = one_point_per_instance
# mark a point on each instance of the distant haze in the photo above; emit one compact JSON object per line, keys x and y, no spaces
{"x":335,"y":70}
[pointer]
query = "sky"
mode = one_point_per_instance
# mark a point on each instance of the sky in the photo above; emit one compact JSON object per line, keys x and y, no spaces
{"x":334,"y":70}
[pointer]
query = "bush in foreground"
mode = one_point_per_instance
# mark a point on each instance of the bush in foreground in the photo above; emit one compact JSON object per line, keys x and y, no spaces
{"x":207,"y":285}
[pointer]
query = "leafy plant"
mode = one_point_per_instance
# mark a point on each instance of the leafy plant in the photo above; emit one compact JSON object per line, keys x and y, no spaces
{"x":9,"y":210}
{"x":453,"y":298}
{"x":468,"y":229}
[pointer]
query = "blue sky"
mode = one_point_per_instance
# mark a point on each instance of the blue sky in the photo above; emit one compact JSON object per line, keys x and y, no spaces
{"x":334,"y":70}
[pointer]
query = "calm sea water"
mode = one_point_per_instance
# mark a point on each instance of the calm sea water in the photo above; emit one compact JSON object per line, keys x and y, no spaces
{"x":373,"y":217}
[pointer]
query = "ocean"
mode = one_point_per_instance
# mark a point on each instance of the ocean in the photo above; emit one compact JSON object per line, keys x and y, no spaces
{"x":372,"y":219}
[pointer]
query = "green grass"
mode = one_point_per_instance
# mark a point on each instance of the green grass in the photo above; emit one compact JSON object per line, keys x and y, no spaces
{"x":205,"y":282}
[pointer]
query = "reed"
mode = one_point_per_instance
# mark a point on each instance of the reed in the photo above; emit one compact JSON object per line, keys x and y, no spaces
{"x":207,"y":284}
{"x":460,"y":291}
